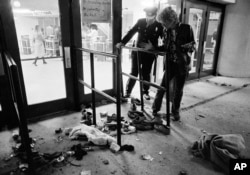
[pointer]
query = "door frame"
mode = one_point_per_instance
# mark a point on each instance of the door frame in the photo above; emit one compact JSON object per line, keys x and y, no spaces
{"x":207,"y":7}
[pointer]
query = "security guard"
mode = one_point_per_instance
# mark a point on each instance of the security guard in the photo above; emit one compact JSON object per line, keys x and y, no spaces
{"x":148,"y":30}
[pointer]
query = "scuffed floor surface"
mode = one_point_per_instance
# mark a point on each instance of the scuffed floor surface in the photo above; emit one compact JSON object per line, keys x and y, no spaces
{"x":217,"y":105}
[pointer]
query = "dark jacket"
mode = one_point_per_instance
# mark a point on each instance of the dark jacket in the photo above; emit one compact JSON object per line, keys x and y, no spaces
{"x":184,"y":43}
{"x":145,"y":34}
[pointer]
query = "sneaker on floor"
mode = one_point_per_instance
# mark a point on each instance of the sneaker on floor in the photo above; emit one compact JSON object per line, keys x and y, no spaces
{"x":146,"y":96}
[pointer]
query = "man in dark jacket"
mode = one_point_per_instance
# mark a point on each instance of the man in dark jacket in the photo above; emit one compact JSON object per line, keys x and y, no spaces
{"x":148,"y":30}
{"x":179,"y":43}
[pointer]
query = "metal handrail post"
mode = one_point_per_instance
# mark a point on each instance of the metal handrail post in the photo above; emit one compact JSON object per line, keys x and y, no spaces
{"x":93,"y":86}
{"x":167,"y":90}
{"x":118,"y":96}
{"x":140,"y":77}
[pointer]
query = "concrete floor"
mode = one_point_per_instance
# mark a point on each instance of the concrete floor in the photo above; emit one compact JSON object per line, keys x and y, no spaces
{"x":222,"y":102}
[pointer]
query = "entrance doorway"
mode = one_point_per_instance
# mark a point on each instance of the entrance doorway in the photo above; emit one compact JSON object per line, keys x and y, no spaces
{"x":205,"y":19}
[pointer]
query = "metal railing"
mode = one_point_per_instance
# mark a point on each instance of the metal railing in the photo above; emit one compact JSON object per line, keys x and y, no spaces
{"x":164,"y":54}
{"x":19,"y":104}
{"x":116,"y":100}
{"x":119,"y":74}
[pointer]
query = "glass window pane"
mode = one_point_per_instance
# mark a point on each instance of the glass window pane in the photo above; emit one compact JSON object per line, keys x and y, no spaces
{"x":96,"y":30}
{"x":195,"y":20}
{"x":39,"y":38}
{"x":211,"y":39}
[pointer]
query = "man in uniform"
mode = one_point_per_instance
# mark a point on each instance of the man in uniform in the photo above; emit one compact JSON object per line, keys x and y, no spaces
{"x":148,"y":30}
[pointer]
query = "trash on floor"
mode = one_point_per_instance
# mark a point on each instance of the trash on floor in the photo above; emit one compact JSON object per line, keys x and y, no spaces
{"x":127,"y":148}
{"x":78,"y":152}
{"x":147,"y":157}
{"x":85,"y":172}
{"x":114,"y":147}
{"x":106,"y":162}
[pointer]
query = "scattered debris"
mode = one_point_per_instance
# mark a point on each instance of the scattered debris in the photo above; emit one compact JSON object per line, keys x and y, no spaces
{"x":85,"y":172}
{"x":129,"y":148}
{"x":23,"y":167}
{"x":79,"y":152}
{"x":59,"y":139}
{"x":113,"y":172}
{"x":203,"y":131}
{"x":58,"y":131}
{"x":70,"y":153}
{"x":147,"y":157}
{"x":106,"y":162}
{"x":114,"y":147}
{"x":183,"y":172}
{"x":15,"y":136}
{"x":60,"y":159}
{"x":202,"y":116}
{"x":103,"y":114}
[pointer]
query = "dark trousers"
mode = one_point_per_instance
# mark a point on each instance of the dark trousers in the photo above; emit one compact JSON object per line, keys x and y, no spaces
{"x":179,"y":80}
{"x":146,"y":65}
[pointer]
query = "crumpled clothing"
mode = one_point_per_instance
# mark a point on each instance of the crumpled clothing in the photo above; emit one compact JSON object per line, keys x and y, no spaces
{"x":93,"y":134}
{"x":219,"y":148}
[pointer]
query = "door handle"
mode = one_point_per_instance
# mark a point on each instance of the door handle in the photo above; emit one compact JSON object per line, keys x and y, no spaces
{"x":67,"y":57}
{"x":204,"y":47}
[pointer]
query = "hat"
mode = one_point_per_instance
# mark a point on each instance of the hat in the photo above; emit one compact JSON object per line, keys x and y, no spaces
{"x":152,"y":10}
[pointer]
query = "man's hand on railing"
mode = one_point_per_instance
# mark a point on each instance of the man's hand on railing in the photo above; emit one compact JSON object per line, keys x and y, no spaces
{"x":119,"y":45}
{"x":147,"y":46}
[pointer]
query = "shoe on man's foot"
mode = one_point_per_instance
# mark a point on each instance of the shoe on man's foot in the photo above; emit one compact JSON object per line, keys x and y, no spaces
{"x":126,"y":95}
{"x":146,"y":96}
{"x":176,"y":116}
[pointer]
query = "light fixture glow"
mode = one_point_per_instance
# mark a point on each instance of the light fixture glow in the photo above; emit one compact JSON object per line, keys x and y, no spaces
{"x":16,"y":3}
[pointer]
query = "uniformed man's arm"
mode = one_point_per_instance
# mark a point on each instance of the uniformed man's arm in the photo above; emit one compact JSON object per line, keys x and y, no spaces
{"x":130,"y":33}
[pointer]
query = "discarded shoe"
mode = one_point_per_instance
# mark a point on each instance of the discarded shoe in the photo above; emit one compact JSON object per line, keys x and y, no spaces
{"x":156,"y":120}
{"x":162,"y":128}
{"x":146,"y":96}
{"x":134,"y":114}
{"x":128,"y":130}
{"x":133,"y":107}
{"x":139,"y":120}
{"x":136,"y":101}
{"x":144,"y":126}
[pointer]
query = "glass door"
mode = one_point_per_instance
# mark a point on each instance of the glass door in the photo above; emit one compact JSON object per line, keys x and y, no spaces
{"x":210,"y":45}
{"x":195,"y":16}
{"x":39,"y":37}
{"x":205,"y":20}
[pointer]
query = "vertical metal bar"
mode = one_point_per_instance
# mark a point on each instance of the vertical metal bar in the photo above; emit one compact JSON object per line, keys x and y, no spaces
{"x":122,"y":87}
{"x":167,"y":90}
{"x":93,"y":86}
{"x":140,"y":77}
{"x":118,"y":102}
